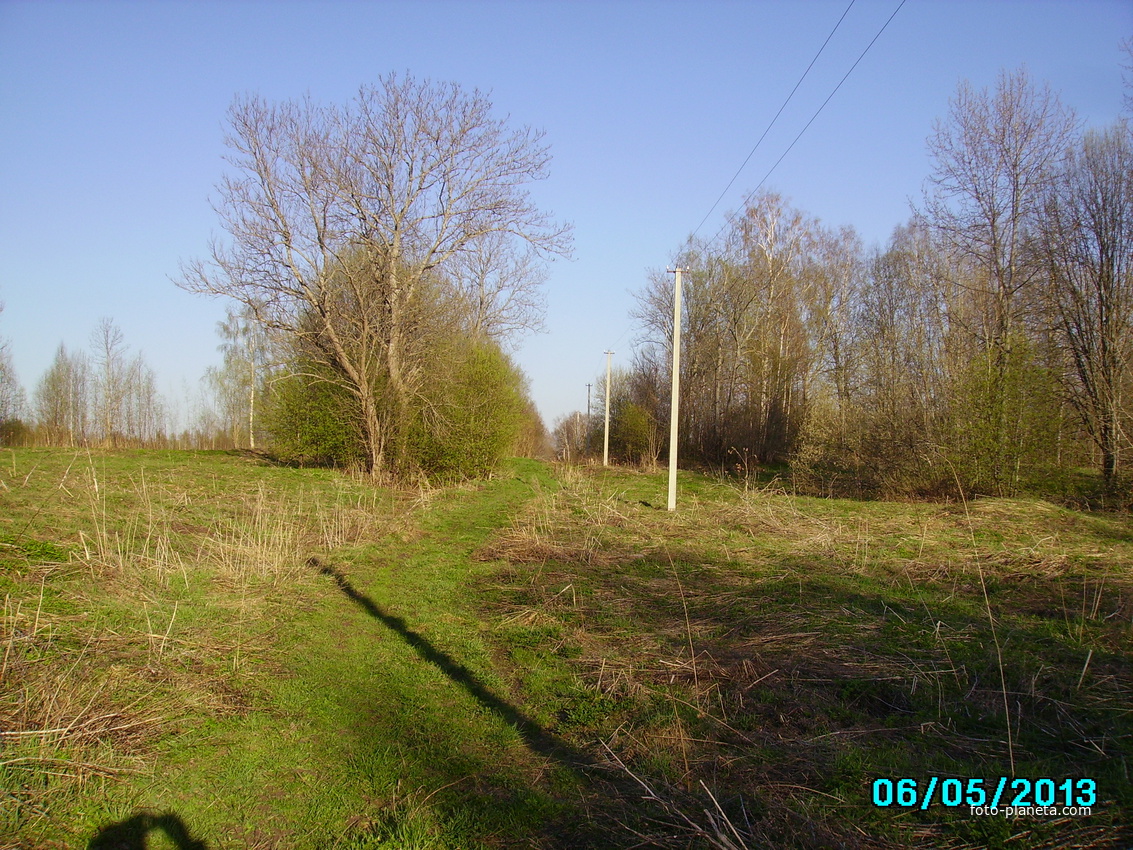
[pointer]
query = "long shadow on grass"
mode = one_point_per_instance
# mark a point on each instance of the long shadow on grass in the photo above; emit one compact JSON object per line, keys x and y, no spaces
{"x":537,"y":738}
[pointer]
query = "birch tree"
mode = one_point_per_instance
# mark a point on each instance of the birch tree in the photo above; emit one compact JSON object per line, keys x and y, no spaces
{"x":110,"y":373}
{"x":995,"y":160}
{"x":238,"y":382}
{"x":12,"y":396}
{"x":62,"y":398}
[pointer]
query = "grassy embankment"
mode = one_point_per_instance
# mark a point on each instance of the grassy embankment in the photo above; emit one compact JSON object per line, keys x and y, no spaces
{"x":205,"y":648}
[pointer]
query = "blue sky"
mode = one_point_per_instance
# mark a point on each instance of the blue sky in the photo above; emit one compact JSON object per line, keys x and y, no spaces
{"x":111,"y":122}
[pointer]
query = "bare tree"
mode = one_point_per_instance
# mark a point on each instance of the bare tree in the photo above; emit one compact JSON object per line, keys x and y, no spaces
{"x":238,"y":382}
{"x":1088,"y":235}
{"x":110,"y":377}
{"x":12,"y":396}
{"x":994,"y":160}
{"x":499,"y":284}
{"x":143,"y":411}
{"x":833,"y":278}
{"x":115,"y":393}
{"x":749,"y":315}
{"x":569,"y":436}
{"x":62,"y":398}
{"x":342,"y":218}
{"x":1127,"y":73}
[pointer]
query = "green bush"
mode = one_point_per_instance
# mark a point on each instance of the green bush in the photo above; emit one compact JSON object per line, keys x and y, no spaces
{"x":469,"y":412}
{"x":631,"y":428}
{"x":314,"y":421}
{"x":1005,"y":427}
{"x":471,"y":415}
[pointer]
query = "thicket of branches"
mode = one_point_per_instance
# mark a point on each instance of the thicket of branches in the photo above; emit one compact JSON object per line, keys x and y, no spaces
{"x":985,"y":347}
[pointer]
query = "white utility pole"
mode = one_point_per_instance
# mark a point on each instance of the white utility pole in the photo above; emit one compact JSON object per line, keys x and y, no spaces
{"x":587,"y":453}
{"x":674,"y":407}
{"x":606,"y":442}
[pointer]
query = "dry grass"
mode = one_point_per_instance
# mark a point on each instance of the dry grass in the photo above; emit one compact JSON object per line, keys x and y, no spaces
{"x":261,"y":536}
{"x":796,"y":638}
{"x":63,"y":721}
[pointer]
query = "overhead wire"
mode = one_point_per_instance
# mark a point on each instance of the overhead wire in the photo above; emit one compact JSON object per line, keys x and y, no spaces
{"x":764,"y":135}
{"x":806,"y":126}
{"x":771,"y":124}
{"x":830,"y":96}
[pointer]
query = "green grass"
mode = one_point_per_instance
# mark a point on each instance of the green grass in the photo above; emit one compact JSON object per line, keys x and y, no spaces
{"x":204,"y":647}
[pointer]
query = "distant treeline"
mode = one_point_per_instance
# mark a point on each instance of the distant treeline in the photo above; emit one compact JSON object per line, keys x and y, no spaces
{"x":263,"y":397}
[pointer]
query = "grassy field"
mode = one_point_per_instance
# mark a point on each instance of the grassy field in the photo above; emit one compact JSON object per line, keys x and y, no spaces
{"x":206,"y":650}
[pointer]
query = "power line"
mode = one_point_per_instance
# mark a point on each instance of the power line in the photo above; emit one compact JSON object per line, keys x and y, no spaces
{"x":774,"y":119}
{"x":767,"y":129}
{"x":673,"y":410}
{"x":830,"y":96}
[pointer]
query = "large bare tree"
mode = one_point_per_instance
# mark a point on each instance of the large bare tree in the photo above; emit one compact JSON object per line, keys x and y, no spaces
{"x":1088,"y":235}
{"x":499,"y":286}
{"x":343,"y":220}
{"x":994,"y":159}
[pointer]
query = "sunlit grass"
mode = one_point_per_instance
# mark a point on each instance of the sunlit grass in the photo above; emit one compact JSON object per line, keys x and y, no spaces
{"x":143,"y":595}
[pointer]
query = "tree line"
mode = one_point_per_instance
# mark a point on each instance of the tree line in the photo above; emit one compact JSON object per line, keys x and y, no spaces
{"x":107,"y":396}
{"x":985,"y":348}
{"x":381,"y":255}
{"x":101,"y":396}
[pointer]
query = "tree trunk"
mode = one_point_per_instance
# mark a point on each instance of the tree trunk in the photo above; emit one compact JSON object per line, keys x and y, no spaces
{"x":373,"y":433}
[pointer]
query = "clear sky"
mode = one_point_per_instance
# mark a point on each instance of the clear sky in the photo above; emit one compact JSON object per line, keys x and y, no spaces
{"x":111,"y":121}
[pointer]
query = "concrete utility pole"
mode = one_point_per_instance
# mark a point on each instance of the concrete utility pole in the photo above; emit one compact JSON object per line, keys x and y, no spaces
{"x":588,"y":421}
{"x":674,"y":406}
{"x":606,"y":443}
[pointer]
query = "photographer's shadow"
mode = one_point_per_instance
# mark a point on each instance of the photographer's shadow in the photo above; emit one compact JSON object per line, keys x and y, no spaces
{"x":130,"y":834}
